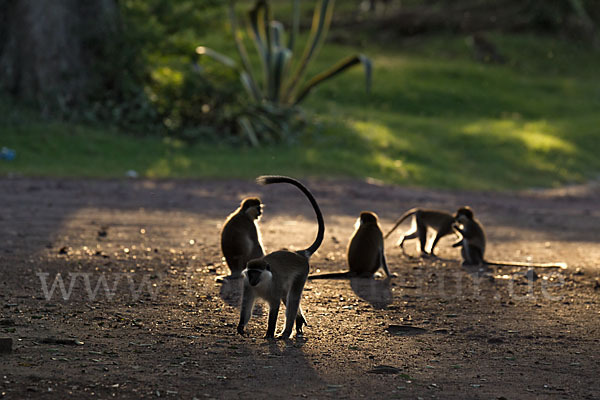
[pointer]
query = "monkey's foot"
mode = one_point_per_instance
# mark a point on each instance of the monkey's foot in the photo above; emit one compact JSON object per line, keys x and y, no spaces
{"x":284,"y":335}
{"x":225,"y":278}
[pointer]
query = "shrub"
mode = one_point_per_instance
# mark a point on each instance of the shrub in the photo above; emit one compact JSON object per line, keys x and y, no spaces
{"x":274,"y":113}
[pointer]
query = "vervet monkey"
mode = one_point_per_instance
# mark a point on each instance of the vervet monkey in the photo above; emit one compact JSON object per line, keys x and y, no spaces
{"x":365,"y":250}
{"x":280,"y":276}
{"x":473,"y":243}
{"x":440,"y":221}
{"x":240,"y":238}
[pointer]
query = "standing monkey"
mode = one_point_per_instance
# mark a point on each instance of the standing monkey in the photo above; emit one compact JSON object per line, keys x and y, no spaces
{"x":240,"y":238}
{"x":365,"y":250}
{"x":440,"y":221}
{"x":281,"y":275}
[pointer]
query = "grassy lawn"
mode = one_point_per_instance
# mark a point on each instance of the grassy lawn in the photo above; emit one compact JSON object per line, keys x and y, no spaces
{"x":435,"y":118}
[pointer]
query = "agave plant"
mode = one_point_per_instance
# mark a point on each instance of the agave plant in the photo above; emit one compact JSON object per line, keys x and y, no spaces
{"x":281,"y":87}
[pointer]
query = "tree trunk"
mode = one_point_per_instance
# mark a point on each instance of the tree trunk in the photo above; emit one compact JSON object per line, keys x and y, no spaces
{"x":49,"y":49}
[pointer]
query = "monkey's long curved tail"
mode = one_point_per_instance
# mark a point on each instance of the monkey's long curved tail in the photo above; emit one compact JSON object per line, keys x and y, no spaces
{"x":560,"y":265}
{"x":269,"y":179}
{"x":332,"y":275}
{"x":401,"y":220}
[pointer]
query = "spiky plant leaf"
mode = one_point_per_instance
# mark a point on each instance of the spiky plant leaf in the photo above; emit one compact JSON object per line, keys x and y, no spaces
{"x":247,"y":67}
{"x":280,"y":63}
{"x":222,"y":58}
{"x":336,"y":69}
{"x":295,"y":24}
{"x":320,"y":25}
{"x":251,"y":88}
{"x":249,"y":131}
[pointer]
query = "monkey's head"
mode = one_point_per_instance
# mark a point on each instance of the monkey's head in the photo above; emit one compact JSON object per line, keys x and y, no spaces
{"x":368,"y":217}
{"x":252,"y":207}
{"x":257,"y":271}
{"x":464,"y":212}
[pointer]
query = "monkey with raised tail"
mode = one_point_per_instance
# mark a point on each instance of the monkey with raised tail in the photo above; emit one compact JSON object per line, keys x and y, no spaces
{"x":281,"y":275}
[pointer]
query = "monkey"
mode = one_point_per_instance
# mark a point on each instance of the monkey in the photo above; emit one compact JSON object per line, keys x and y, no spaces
{"x":473,"y":244}
{"x":240,"y":237}
{"x":440,"y":221}
{"x":281,"y":275}
{"x":365,"y":250}
{"x":473,"y":238}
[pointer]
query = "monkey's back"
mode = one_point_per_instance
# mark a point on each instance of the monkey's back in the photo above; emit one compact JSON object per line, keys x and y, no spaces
{"x":289,"y":269}
{"x":475,"y":235}
{"x":239,"y":238}
{"x":479,"y":235}
{"x":364,"y":250}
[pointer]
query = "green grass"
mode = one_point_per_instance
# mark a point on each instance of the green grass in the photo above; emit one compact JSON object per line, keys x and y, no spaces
{"x":434,"y":118}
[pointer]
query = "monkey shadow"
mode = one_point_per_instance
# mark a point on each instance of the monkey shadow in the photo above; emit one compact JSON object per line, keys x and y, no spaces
{"x":291,"y":369}
{"x":376,"y":292}
{"x":281,"y":347}
{"x":231,"y":291}
{"x":478,"y":271}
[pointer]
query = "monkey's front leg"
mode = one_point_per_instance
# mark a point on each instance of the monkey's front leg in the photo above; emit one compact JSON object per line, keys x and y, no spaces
{"x":273,"y":312}
{"x":248,"y":299}
{"x":383,"y":263}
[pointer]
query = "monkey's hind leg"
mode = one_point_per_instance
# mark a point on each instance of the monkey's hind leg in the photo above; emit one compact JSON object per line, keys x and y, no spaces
{"x":411,"y":235}
{"x":437,"y":238}
{"x":472,"y":256}
{"x":291,"y":309}
{"x":422,"y":232}
{"x":300,"y":320}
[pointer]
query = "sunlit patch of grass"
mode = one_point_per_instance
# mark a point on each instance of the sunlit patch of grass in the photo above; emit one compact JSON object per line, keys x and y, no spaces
{"x":538,"y":136}
{"x":434,"y":118}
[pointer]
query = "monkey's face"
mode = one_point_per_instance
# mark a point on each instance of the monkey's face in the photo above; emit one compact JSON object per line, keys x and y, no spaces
{"x":254,"y":212}
{"x":462,"y":219}
{"x":257,"y":272}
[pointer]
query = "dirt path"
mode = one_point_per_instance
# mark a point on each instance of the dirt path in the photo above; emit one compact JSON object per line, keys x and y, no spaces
{"x":165,"y":328}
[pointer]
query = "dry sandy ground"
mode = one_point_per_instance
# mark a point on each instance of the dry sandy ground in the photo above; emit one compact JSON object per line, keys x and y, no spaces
{"x":162,"y":326}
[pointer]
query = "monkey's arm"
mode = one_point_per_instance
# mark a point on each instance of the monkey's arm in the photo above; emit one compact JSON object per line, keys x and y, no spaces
{"x":248,"y":300}
{"x":462,"y":234}
{"x":384,"y":265}
{"x":273,"y":311}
